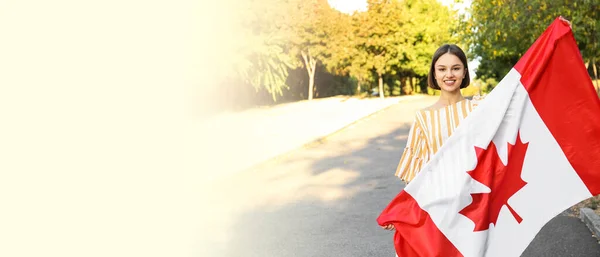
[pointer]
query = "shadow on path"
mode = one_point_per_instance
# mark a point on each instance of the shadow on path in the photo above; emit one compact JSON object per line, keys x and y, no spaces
{"x":323,"y":200}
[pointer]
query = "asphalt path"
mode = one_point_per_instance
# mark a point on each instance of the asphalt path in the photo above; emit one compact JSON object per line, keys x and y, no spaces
{"x":323,"y":199}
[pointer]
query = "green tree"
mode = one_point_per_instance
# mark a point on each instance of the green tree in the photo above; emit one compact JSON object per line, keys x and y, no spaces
{"x":396,"y":39}
{"x":341,"y":57}
{"x":430,"y":25}
{"x":311,"y":31}
{"x":262,"y":58}
{"x":500,"y":31}
{"x":391,"y":43}
{"x":586,"y":25}
{"x":381,"y":39}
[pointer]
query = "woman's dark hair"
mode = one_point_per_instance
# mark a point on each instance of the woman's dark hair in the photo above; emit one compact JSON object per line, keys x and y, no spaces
{"x":450,"y":49}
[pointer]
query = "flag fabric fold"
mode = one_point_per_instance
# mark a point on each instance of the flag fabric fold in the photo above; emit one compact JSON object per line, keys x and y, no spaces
{"x":529,"y":151}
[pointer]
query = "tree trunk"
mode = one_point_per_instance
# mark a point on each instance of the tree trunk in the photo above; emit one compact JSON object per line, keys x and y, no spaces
{"x":358,"y":87}
{"x":595,"y":75}
{"x":311,"y":64}
{"x":311,"y":86}
{"x":408,"y":88}
{"x":381,"y":93}
{"x":423,"y":85}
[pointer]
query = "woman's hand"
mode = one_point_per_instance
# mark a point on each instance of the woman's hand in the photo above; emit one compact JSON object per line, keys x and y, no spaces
{"x":388,"y":227}
{"x":565,"y":20}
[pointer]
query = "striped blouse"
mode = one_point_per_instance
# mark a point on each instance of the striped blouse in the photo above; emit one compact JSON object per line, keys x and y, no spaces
{"x":429,"y":131}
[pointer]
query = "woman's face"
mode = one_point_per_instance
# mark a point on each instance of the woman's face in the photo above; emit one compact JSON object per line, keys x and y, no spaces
{"x":449,"y":72}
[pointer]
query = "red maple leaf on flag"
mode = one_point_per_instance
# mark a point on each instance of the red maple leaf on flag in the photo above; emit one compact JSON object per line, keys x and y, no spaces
{"x":503,"y":180}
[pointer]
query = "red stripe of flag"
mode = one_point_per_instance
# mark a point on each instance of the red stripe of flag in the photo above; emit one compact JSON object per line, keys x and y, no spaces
{"x":416,"y":234}
{"x":562,"y":93}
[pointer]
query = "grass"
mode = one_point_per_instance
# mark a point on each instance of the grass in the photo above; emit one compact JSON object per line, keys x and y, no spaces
{"x":592,"y":203}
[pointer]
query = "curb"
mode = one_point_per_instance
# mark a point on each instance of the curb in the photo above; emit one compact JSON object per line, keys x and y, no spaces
{"x":322,"y":139}
{"x":315,"y":137}
{"x":591,"y":220}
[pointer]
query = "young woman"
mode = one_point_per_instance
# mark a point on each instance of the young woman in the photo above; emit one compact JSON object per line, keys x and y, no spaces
{"x":433,"y":125}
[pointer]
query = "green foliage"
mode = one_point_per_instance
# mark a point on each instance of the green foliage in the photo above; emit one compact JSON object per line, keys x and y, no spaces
{"x":488,"y":85}
{"x":500,"y":31}
{"x":396,"y":88}
{"x":479,"y":87}
{"x":594,"y":203}
{"x":471,"y":90}
{"x":428,"y":28}
{"x":394,"y":39}
{"x":397,"y":38}
{"x":430,"y":91}
{"x":265,"y":67}
{"x":262,"y":59}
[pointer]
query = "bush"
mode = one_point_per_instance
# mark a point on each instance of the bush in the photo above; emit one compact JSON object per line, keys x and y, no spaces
{"x":479,"y":86}
{"x":471,"y":90}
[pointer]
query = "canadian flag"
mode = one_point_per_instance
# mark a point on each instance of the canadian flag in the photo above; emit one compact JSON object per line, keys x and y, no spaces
{"x":529,"y":151}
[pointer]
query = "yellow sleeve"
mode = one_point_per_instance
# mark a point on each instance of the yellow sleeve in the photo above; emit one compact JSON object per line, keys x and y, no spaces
{"x":414,"y":154}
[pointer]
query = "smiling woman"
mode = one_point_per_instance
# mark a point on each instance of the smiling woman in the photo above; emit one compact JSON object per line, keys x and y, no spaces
{"x":433,"y":125}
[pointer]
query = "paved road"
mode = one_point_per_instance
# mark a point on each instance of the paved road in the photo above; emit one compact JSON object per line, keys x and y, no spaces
{"x":323,"y":200}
